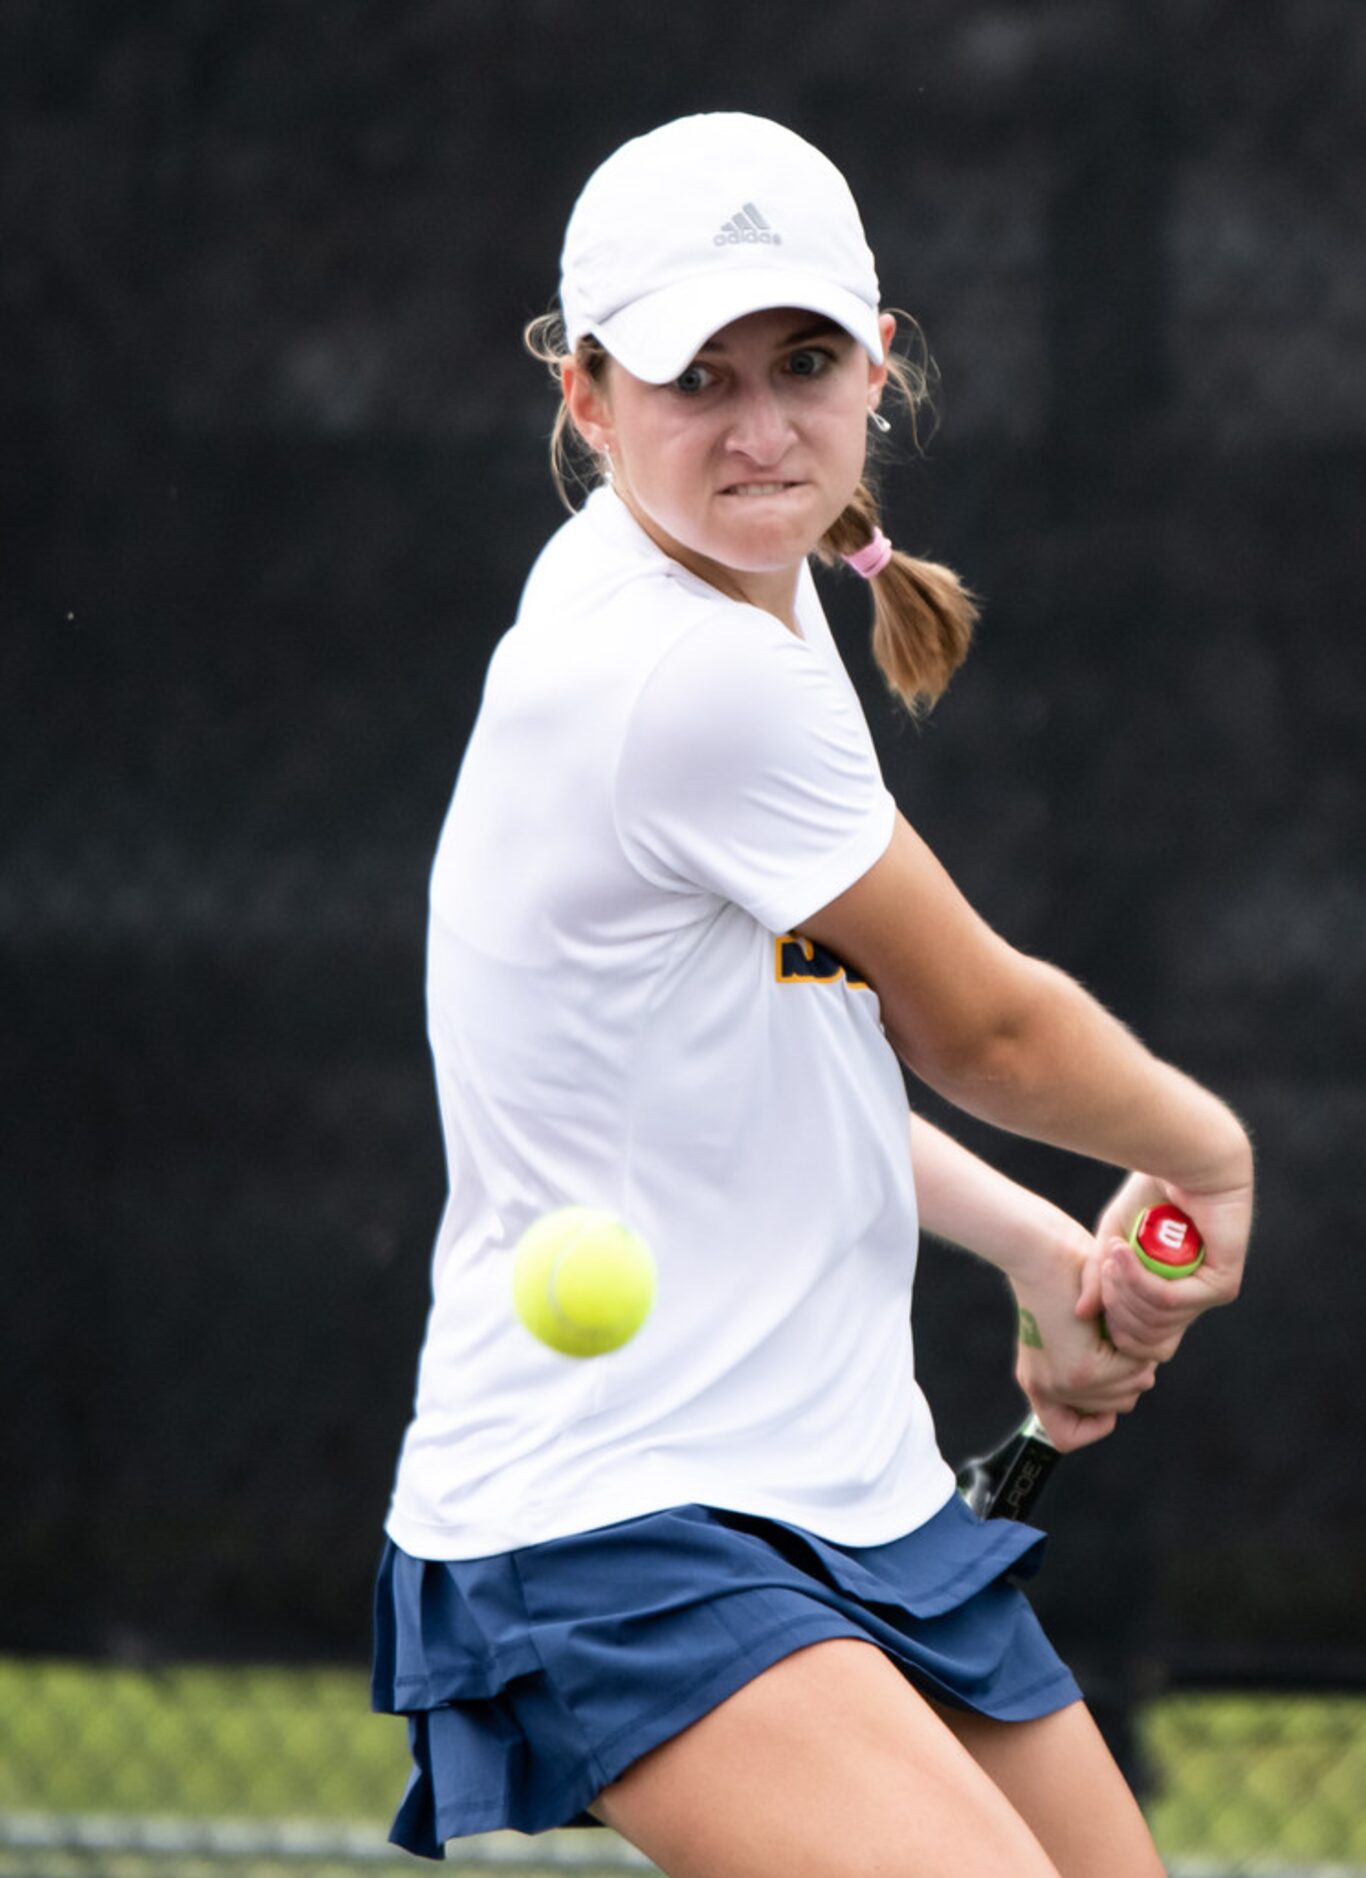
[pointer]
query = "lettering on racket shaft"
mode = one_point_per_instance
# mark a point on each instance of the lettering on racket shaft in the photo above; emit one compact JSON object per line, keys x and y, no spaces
{"x":1005,"y":1483}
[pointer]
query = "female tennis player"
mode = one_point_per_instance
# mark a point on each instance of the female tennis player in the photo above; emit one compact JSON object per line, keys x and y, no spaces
{"x":717,"y":1589}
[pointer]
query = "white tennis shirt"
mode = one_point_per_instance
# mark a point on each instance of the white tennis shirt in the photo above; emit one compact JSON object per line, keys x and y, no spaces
{"x":660,"y":784}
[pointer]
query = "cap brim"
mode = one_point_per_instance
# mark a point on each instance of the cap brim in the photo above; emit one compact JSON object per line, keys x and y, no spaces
{"x":657,"y":336}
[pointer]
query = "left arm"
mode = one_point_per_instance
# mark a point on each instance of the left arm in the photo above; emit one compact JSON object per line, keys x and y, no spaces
{"x":1076,"y":1381}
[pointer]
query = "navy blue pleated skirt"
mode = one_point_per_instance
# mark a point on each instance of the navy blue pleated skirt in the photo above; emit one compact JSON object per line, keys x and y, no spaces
{"x":533,"y":1679}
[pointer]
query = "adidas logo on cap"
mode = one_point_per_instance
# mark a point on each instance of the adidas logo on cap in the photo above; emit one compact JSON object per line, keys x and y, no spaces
{"x":747,"y":224}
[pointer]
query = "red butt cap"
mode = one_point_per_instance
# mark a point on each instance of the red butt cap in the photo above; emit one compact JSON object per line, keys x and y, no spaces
{"x":1167,"y":1241}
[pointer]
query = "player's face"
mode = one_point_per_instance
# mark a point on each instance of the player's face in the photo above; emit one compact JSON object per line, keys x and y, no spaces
{"x":742,"y":462}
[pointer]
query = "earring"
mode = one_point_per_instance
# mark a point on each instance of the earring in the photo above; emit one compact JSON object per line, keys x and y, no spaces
{"x":878,"y":421}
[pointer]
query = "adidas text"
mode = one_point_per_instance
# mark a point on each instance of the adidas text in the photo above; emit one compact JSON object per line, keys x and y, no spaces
{"x":747,"y":224}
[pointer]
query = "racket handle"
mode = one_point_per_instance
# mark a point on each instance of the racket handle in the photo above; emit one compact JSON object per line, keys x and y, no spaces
{"x":1005,"y":1483}
{"x":1167,"y":1242}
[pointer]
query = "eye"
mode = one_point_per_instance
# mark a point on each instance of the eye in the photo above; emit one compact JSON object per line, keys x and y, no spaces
{"x":696,"y":378}
{"x":810,"y":362}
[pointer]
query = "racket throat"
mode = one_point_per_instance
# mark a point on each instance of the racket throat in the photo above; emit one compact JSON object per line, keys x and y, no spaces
{"x":1006,"y":1483}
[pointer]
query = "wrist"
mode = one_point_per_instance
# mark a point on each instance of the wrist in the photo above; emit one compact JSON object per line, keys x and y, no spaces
{"x":1041,"y":1239}
{"x":1225,"y":1159}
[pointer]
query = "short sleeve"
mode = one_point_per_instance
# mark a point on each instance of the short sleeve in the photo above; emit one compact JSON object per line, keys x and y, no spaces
{"x":747,"y":771}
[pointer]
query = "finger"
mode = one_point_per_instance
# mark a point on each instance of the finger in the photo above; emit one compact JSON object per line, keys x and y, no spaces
{"x":1136,"y":1298}
{"x":1091,"y":1302}
{"x":1134,"y":1391}
{"x":1141,"y":1341}
{"x":1092,"y":1377}
{"x":1122,"y":1390}
{"x":1116,"y":1394}
{"x":1132,"y":1323}
{"x":1147,"y":1343}
{"x":1069,"y":1428}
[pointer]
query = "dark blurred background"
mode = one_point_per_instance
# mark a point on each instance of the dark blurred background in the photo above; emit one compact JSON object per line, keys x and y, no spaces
{"x":273,"y":470}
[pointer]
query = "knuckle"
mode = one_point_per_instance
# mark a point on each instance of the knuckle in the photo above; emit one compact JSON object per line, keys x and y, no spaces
{"x":1165,"y":1306}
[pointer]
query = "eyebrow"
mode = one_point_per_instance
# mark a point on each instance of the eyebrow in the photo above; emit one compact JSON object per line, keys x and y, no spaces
{"x":820,"y":330}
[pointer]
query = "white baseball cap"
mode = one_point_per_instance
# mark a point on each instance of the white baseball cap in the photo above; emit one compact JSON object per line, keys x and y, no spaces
{"x":702,"y":221}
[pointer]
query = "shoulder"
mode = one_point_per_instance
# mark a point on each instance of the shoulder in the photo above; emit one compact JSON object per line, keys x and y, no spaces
{"x":747,"y":770}
{"x":733,"y":673}
{"x":741,"y":739}
{"x":592,"y":557}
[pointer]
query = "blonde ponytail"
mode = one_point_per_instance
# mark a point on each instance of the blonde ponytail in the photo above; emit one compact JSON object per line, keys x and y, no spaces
{"x":923,"y":615}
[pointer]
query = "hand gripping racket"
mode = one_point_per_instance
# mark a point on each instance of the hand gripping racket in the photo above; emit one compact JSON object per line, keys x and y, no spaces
{"x":1005,"y":1483}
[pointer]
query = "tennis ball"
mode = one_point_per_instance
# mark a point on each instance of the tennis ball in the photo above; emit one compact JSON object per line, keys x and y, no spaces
{"x":582,"y":1280}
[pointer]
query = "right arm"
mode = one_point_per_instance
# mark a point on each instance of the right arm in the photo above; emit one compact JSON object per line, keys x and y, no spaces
{"x":1019,"y":1044}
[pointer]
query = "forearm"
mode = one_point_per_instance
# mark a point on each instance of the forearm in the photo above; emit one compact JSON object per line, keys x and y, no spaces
{"x":971,"y":1204}
{"x":1016,"y":1042}
{"x":1061,"y":1069}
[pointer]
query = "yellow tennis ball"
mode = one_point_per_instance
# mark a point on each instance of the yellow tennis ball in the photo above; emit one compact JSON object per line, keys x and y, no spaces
{"x":582,"y":1280}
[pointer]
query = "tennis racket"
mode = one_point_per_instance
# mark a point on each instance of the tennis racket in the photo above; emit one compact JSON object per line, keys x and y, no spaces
{"x":1006,"y":1483}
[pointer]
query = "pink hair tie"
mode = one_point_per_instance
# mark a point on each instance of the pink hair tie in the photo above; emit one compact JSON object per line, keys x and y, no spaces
{"x":872,"y":559}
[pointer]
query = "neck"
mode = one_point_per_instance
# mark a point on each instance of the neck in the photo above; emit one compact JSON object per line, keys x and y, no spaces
{"x":772,"y":590}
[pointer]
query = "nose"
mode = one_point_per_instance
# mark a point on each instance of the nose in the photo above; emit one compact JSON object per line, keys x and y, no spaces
{"x":760,"y":426}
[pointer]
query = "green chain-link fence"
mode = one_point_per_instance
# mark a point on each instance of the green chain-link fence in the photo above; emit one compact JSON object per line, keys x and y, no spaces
{"x":135,"y":1773}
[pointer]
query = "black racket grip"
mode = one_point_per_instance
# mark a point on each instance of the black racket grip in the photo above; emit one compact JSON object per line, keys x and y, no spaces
{"x":1005,"y":1483}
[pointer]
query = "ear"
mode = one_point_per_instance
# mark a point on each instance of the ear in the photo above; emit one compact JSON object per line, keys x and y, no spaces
{"x":589,"y":411}
{"x":877,"y":374}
